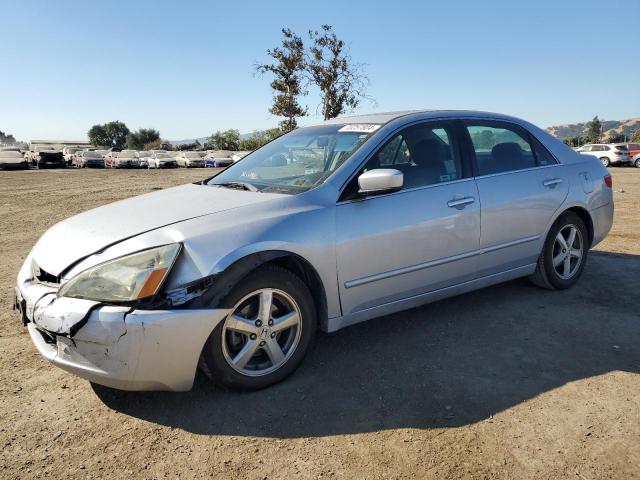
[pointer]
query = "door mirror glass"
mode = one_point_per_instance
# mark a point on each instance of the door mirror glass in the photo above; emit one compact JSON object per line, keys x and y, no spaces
{"x":380,"y":180}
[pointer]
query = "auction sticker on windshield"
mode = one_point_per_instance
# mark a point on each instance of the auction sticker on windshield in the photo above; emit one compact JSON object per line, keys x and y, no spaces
{"x":360,"y":127}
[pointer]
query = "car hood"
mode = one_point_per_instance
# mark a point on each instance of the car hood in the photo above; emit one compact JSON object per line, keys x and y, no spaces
{"x":90,"y":232}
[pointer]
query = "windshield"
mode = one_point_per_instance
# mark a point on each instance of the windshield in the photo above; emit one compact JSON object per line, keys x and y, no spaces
{"x":297,"y":161}
{"x":192,"y":155}
{"x":91,"y":155}
{"x":162,"y":155}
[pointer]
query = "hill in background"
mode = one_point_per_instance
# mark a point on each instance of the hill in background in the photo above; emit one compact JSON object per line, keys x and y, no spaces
{"x":610,"y":128}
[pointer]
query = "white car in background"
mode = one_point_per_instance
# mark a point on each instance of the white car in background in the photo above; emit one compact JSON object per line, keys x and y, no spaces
{"x":69,"y":153}
{"x":161,"y":159}
{"x":608,"y":153}
{"x":239,"y":155}
{"x":12,"y":159}
{"x":190,"y":159}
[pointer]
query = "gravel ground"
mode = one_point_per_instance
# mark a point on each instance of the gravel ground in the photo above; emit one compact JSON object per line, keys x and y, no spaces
{"x":507,"y":382}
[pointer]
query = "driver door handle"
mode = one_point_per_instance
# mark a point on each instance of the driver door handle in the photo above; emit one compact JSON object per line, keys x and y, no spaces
{"x":460,"y":202}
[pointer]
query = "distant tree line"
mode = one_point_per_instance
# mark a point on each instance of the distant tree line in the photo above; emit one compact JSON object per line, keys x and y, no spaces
{"x":230,"y":139}
{"x":117,"y":135}
{"x":6,"y":138}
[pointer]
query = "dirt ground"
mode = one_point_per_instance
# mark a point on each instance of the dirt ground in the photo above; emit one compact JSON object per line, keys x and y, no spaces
{"x":507,"y":382}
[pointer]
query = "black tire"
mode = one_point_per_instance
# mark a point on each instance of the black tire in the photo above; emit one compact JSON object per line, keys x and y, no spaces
{"x":546,"y":275}
{"x":637,"y":162}
{"x":605,"y":161}
{"x":217,"y":367}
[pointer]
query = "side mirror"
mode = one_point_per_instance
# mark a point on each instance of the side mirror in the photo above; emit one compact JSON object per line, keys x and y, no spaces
{"x":379,"y":181}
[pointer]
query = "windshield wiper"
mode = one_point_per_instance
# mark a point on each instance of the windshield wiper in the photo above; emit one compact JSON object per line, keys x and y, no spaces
{"x":238,"y":186}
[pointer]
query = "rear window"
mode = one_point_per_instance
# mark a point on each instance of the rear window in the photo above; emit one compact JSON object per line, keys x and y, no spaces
{"x":621,"y":147}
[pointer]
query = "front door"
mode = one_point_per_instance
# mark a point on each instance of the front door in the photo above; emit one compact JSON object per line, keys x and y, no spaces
{"x":422,"y":238}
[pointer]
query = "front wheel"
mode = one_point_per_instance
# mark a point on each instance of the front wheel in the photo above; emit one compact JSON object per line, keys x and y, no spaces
{"x":564,"y":254}
{"x":605,"y":161}
{"x":266,"y":336}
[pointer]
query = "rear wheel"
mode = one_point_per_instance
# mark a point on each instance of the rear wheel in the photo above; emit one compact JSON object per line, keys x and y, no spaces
{"x":637,"y":163}
{"x":564,"y":254}
{"x":605,"y":161}
{"x":267,"y":334}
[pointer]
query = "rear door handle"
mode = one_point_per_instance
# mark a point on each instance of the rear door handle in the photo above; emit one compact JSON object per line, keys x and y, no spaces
{"x":552,"y":182}
{"x":460,"y":202}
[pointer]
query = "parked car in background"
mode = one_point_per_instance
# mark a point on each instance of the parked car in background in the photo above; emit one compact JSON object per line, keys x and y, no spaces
{"x":240,"y":155}
{"x":190,"y":159}
{"x":608,"y":153}
{"x":162,"y":159}
{"x":47,"y":158}
{"x":12,"y":160}
{"x":634,"y":153}
{"x":122,"y":159}
{"x":69,"y":152}
{"x":322,"y":228}
{"x":88,"y":159}
{"x":143,"y":158}
{"x":218,"y":158}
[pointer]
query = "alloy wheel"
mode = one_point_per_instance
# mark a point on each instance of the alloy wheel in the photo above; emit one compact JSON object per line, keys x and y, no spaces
{"x":568,"y":250}
{"x":262,"y":332}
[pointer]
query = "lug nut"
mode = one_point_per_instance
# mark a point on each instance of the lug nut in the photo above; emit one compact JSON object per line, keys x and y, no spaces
{"x":253,"y":336}
{"x":258,"y":323}
{"x":262,"y":343}
{"x":273,"y":334}
{"x":270,"y":322}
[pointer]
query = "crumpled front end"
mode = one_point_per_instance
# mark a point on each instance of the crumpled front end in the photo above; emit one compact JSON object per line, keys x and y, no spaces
{"x":117,"y":346}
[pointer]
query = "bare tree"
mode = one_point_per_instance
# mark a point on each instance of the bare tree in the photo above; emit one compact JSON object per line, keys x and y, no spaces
{"x":288,"y":82}
{"x":342,"y":82}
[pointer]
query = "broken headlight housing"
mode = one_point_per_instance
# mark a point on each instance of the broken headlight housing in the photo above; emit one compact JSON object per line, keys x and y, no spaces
{"x":125,"y":279}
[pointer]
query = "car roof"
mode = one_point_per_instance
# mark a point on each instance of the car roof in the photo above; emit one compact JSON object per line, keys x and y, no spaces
{"x":386,"y":117}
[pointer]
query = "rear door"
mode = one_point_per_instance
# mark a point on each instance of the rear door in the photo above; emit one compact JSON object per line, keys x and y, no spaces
{"x":521,"y":186}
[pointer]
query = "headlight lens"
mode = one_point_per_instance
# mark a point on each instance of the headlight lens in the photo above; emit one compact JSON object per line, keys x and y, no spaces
{"x":124,"y":279}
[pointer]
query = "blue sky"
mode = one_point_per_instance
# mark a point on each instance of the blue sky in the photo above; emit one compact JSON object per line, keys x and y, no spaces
{"x":185,"y":67}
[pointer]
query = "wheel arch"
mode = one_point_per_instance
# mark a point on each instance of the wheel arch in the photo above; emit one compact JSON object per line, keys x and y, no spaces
{"x":241,"y":267}
{"x":585,"y":216}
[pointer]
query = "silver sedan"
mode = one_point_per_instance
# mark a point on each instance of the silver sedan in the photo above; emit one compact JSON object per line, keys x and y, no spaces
{"x":322,"y":228}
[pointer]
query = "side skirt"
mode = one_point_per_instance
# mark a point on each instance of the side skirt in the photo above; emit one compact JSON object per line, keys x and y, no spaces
{"x":392,"y":307}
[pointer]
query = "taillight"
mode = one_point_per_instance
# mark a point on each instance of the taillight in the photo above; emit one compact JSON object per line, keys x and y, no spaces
{"x":617,"y":152}
{"x":608,"y":181}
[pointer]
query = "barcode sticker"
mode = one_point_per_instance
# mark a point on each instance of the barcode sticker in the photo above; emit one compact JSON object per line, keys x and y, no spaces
{"x":360,"y":127}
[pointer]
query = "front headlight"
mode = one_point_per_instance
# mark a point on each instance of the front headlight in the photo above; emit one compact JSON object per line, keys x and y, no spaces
{"x":124,"y":279}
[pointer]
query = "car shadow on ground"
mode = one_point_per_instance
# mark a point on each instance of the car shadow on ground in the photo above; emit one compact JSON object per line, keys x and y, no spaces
{"x":446,"y":364}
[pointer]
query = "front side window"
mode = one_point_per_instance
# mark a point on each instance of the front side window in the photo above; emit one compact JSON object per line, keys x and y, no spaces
{"x":297,"y":161}
{"x":426,"y":154}
{"x":500,"y":148}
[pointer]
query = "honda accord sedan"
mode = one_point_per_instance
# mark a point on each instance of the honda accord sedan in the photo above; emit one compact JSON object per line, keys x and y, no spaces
{"x":322,"y":228}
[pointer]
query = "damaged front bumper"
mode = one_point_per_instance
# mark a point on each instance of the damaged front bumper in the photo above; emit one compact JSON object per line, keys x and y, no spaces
{"x":116,"y":346}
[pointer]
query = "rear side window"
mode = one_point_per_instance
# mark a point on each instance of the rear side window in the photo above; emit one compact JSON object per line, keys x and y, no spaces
{"x":543,"y":156}
{"x":501,"y":148}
